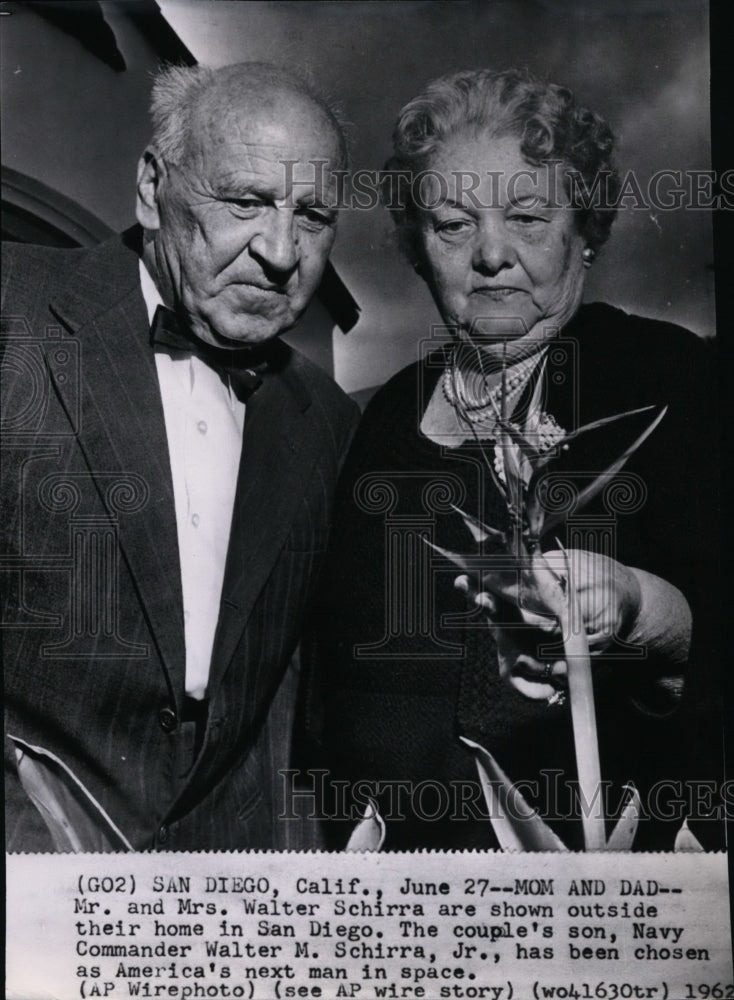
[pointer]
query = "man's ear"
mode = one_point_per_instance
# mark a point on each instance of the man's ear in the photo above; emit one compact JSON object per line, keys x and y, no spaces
{"x":151,"y":173}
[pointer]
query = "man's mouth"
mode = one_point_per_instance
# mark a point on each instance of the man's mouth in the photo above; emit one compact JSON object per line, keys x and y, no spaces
{"x":265,"y":287}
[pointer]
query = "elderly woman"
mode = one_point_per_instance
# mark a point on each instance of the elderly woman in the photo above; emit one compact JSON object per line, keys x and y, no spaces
{"x":505,"y":199}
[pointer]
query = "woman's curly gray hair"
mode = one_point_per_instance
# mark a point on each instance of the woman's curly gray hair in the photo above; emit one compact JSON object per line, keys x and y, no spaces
{"x":547,"y":120}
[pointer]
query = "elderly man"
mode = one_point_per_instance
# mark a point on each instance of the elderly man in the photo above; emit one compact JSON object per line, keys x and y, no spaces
{"x":169,"y":480}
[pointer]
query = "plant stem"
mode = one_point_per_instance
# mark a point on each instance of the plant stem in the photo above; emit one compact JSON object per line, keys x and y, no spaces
{"x":583,"y":718}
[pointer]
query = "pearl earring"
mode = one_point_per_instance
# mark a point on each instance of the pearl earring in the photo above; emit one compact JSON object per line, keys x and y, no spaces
{"x":588,"y":255}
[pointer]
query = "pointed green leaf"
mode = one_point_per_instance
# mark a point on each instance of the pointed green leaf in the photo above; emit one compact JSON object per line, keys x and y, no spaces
{"x":480,"y":531}
{"x":511,"y":467}
{"x":518,"y":438}
{"x":590,"y":491}
{"x":534,"y":411}
{"x":76,"y":821}
{"x":517,"y":826}
{"x":499,"y":485}
{"x":623,"y":835}
{"x":369,"y":834}
{"x":503,"y":397}
{"x":686,"y":841}
{"x":606,"y":420}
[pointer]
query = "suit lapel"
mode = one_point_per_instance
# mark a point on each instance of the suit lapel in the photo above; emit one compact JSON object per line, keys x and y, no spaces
{"x":278,"y":452}
{"x":122,"y":435}
{"x":122,"y":430}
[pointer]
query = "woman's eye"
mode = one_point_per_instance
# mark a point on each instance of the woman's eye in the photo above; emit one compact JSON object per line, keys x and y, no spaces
{"x":525,"y":219}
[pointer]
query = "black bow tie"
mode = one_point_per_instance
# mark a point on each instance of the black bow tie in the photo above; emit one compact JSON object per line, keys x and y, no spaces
{"x":243,"y":365}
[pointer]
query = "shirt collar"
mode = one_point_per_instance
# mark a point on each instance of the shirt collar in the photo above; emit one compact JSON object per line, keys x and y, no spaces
{"x":151,"y":295}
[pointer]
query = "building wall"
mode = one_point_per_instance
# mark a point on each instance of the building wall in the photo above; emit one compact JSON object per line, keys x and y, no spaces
{"x":68,"y":119}
{"x":73,"y":123}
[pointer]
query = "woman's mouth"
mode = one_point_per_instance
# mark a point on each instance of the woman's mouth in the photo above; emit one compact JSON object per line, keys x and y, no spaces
{"x":495,"y":292}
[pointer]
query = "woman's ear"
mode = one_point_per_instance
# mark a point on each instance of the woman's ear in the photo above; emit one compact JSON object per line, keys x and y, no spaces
{"x":151,"y":172}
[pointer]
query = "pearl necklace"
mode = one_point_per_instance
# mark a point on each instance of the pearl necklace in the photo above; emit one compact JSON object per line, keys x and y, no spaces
{"x":470,"y":397}
{"x":481,"y":407}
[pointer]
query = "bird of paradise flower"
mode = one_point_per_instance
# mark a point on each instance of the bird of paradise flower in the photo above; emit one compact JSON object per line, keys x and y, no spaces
{"x":536,"y":584}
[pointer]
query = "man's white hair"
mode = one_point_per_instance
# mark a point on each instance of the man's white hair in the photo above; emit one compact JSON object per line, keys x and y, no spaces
{"x":175,"y":90}
{"x":178,"y":89}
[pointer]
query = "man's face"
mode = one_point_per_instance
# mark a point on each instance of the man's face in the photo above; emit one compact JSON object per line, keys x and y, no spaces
{"x":244,"y":223}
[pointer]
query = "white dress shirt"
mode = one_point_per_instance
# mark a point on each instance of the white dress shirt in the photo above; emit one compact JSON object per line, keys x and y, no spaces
{"x":204,"y":422}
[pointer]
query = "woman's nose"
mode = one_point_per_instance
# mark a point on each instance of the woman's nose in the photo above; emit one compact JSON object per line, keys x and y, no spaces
{"x":276,"y":244}
{"x":493,"y":249}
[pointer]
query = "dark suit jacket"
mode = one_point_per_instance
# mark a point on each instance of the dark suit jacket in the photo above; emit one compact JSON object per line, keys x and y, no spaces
{"x":93,"y":619}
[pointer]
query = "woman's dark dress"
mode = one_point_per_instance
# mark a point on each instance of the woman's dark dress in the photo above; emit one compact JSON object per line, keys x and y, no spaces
{"x":400,"y":668}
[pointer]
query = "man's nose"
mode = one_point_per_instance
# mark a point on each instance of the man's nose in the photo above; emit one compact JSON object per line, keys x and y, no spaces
{"x":276,"y":244}
{"x":493,"y":248}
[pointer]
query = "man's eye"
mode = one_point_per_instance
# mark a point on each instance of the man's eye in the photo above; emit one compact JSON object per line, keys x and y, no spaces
{"x":314,"y":218}
{"x":454,"y":227}
{"x":246,"y":204}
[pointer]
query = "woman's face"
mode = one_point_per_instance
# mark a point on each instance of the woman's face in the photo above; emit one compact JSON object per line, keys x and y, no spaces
{"x":501,"y":251}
